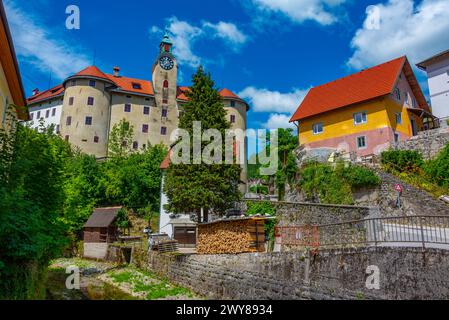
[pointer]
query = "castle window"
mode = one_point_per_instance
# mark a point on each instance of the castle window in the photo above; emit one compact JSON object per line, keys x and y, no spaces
{"x":318,"y":128}
{"x":53,"y":112}
{"x":146,"y":110}
{"x":47,"y":113}
{"x":137,"y":86}
{"x":73,"y":83}
{"x":88,"y":121}
{"x":71,"y":101}
{"x":163,"y":131}
{"x":96,"y":139}
{"x":145,"y":128}
{"x":135,"y":145}
{"x":164,"y":113}
{"x":68,"y":122}
{"x":165,"y":101}
{"x":127,"y":107}
{"x":232,"y":118}
{"x":166,"y":84}
{"x":232,"y":103}
{"x":92,"y":83}
{"x":90,"y":101}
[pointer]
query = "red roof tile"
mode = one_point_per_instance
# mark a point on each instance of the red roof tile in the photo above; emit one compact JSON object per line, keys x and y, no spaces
{"x":225,"y":93}
{"x":362,"y":86}
{"x":92,"y":71}
{"x":48,"y":94}
{"x":127,"y":84}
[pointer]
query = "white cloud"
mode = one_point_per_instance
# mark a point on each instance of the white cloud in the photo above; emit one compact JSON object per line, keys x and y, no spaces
{"x":38,"y":46}
{"x":228,"y":32}
{"x":300,"y":11}
{"x":277,"y":121}
{"x":418,"y":32}
{"x":263,"y":100}
{"x":185,"y":35}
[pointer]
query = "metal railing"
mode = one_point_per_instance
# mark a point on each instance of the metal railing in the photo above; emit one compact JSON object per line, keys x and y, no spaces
{"x":412,"y":231}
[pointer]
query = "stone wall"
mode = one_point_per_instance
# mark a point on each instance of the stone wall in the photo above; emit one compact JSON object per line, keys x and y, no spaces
{"x":428,"y":143}
{"x":405,"y":273}
{"x":298,"y":213}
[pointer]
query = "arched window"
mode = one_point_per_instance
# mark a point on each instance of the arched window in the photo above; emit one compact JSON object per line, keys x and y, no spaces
{"x":166,"y":84}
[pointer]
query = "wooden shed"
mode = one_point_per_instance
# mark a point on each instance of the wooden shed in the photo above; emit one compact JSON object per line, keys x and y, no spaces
{"x":232,"y":236}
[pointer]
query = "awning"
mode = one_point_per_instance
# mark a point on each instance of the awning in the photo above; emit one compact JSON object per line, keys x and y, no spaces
{"x":421,"y":113}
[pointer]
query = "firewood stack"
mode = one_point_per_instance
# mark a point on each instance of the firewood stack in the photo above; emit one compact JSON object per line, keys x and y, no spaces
{"x":231,"y":237}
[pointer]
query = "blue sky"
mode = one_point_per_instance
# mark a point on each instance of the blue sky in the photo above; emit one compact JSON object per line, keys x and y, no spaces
{"x":270,"y":52}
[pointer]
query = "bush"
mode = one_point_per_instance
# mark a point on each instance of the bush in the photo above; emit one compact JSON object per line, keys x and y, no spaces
{"x":402,"y":160}
{"x":360,"y":177}
{"x":438,"y":169}
{"x":259,"y":189}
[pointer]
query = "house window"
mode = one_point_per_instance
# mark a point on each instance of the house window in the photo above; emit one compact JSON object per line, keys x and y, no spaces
{"x":68,"y":122}
{"x":360,"y":118}
{"x":361,"y":142}
{"x":318,"y":128}
{"x":127,"y":107}
{"x":397,"y":94}
{"x":233,"y":103}
{"x":163,"y":131}
{"x":145,"y":128}
{"x":232,"y":118}
{"x":135,"y":145}
{"x":146,"y":110}
{"x":38,"y":115}
{"x":88,"y":121}
{"x":71,"y":101}
{"x":137,"y":86}
{"x":53,"y":112}
{"x":92,"y":83}
{"x":90,"y":101}
{"x":164,"y":113}
{"x":47,"y":113}
{"x":96,"y":139}
{"x":398,"y":118}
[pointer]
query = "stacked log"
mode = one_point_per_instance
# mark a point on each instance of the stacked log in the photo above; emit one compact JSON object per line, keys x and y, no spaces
{"x":231,"y":237}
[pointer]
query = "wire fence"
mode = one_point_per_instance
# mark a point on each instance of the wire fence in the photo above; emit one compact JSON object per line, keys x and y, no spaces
{"x":412,"y":231}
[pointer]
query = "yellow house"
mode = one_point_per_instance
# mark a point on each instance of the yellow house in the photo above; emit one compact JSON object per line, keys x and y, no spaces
{"x":366,"y":112}
{"x":11,"y":89}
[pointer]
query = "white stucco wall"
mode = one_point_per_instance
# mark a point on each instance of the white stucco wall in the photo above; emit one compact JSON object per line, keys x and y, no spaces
{"x":55,"y":104}
{"x":438,"y":77}
{"x":164,"y":217}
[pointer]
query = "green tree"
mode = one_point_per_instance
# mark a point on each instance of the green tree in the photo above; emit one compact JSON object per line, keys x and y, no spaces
{"x":31,"y":201}
{"x":213,"y":187}
{"x":121,"y":139}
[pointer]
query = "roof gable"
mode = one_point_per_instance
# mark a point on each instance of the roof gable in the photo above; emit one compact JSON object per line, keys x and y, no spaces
{"x":48,"y":94}
{"x":102,"y":217}
{"x":359,"y":87}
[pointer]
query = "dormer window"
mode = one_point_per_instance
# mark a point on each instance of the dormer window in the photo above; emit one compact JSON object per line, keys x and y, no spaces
{"x":137,"y":86}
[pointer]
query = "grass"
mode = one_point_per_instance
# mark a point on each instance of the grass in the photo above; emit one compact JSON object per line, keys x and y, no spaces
{"x":148,"y":284}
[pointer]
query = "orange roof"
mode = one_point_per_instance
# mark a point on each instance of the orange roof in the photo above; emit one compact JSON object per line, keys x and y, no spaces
{"x":181,"y":93}
{"x":226,"y":93}
{"x":53,"y":92}
{"x":92,"y":71}
{"x":362,"y":86}
{"x":132,"y":85}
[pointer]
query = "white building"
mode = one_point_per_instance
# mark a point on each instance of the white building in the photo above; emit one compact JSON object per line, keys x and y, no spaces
{"x":46,"y":107}
{"x":437,"y":69}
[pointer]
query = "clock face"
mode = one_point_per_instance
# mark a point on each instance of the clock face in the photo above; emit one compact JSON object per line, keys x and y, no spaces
{"x":166,"y":63}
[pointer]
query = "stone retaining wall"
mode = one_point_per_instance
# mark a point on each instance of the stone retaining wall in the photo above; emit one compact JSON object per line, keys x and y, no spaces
{"x":405,"y":273}
{"x":428,"y":143}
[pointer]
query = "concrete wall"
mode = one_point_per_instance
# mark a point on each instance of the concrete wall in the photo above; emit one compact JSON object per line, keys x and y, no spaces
{"x":334,"y":274}
{"x":96,"y":250}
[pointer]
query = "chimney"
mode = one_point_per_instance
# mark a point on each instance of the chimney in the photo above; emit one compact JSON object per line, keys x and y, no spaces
{"x":116,"y":72}
{"x":35,"y":91}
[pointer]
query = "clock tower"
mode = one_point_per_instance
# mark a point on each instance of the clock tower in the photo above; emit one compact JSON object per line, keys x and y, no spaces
{"x":165,"y":76}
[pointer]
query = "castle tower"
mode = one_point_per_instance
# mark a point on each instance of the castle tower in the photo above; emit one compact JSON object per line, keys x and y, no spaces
{"x":86,"y":111}
{"x":165,"y":77}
